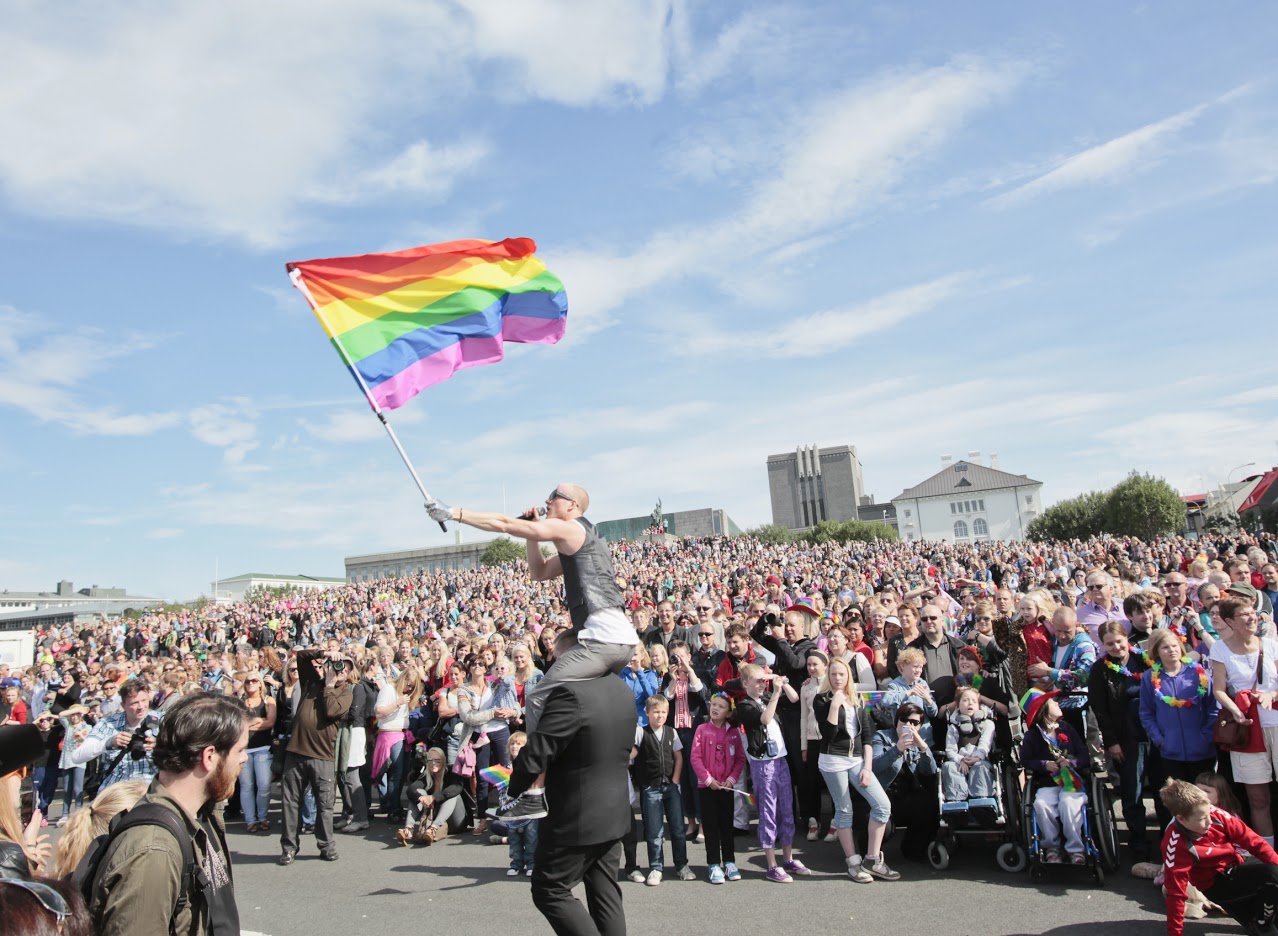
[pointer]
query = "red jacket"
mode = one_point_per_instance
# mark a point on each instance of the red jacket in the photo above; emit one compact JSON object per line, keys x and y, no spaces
{"x":730,"y":669}
{"x":1189,"y":860}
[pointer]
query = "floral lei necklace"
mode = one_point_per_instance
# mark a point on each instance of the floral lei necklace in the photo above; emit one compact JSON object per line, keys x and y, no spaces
{"x":1156,"y":681}
{"x":1138,"y":653}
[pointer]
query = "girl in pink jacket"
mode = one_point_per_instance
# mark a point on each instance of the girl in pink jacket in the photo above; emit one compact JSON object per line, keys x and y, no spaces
{"x":718,"y":758}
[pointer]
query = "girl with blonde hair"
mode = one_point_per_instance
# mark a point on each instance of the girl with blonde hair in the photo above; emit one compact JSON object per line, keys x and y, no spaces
{"x":88,"y":824}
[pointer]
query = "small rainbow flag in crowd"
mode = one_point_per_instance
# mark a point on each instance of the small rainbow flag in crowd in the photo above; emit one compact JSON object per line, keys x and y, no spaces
{"x":403,"y":321}
{"x":497,"y":775}
{"x":749,"y":796}
{"x":873,"y":697}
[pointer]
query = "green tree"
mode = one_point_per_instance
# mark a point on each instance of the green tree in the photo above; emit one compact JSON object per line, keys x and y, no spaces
{"x":1144,"y":506}
{"x":864,"y":531}
{"x":501,"y":551}
{"x":1075,"y":518}
{"x":772,"y":533}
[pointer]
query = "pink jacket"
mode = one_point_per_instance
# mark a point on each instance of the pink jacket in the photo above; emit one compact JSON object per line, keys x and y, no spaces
{"x":718,"y":753}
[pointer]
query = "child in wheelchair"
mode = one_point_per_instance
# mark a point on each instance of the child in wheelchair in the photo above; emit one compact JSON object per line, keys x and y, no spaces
{"x":1055,"y":759}
{"x":967,"y":778}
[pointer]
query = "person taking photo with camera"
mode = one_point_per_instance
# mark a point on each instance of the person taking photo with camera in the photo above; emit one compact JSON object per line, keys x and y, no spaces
{"x":310,"y":760}
{"x":125,"y":741}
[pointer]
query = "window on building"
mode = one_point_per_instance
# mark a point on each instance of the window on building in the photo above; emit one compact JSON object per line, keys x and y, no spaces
{"x":1029,"y":499}
{"x":982,"y":503}
{"x":980,"y":527}
{"x":960,"y":529}
{"x":907,"y":515}
{"x":953,"y":507}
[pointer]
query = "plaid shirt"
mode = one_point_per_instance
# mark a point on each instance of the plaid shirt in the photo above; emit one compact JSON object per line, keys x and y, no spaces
{"x":127,"y":768}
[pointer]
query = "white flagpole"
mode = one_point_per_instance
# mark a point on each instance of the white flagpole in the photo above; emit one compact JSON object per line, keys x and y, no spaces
{"x":296,"y":277}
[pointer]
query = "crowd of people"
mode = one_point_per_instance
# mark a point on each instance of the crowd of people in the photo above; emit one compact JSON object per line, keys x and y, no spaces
{"x":834,"y":690}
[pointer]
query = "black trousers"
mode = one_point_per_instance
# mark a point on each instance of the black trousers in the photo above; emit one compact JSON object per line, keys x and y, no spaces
{"x":559,"y":868}
{"x":1161,"y":770}
{"x":301,"y":773}
{"x":716,"y":819}
{"x":1248,"y":892}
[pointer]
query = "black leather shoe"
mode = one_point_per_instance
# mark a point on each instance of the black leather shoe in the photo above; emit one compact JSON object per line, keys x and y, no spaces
{"x":329,"y":854}
{"x":353,"y":827}
{"x":287,"y":858}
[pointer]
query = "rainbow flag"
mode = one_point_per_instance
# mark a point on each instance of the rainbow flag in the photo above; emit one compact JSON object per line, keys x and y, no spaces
{"x":413,"y":318}
{"x":872,"y":696}
{"x":497,"y":775}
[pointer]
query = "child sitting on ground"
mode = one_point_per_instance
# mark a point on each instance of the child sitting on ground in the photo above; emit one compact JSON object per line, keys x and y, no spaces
{"x":1053,"y":755}
{"x":658,"y":759}
{"x":968,"y":775}
{"x":1201,"y":847}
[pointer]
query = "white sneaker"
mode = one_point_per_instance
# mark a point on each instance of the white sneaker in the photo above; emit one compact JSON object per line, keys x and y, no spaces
{"x":654,"y":878}
{"x":636,"y":876}
{"x":814,"y":830}
{"x":512,"y":872}
{"x":857,"y":872}
{"x":63,"y":821}
{"x":831,"y":837}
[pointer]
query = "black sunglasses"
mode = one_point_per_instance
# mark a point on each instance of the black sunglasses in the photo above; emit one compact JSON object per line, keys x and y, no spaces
{"x":556,"y":493}
{"x":49,"y":898}
{"x":914,"y":721}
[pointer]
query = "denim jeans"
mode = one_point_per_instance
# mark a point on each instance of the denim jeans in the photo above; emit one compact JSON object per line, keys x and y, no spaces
{"x":841,"y":783}
{"x":73,"y":792}
{"x":658,"y":803}
{"x":308,"y":807}
{"x":494,"y":752}
{"x":255,"y":785}
{"x":523,"y":844}
{"x":392,"y":779}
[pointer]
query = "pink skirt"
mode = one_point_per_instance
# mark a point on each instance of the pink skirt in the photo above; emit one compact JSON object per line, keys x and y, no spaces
{"x":382,"y":747}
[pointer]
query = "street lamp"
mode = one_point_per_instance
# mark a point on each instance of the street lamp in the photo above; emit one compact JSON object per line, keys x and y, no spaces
{"x":1229,"y":477}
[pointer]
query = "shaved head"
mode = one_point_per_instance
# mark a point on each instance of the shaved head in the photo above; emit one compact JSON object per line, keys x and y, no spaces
{"x":577,"y":493}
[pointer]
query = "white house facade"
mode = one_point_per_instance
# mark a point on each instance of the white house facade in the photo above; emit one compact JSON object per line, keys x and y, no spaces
{"x":233,"y":589}
{"x":966,"y":502}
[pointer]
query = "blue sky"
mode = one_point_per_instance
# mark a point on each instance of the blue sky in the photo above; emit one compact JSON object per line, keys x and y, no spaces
{"x":915,"y":228}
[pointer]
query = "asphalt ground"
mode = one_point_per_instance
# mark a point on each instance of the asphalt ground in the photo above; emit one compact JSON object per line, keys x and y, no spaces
{"x":460,"y":886}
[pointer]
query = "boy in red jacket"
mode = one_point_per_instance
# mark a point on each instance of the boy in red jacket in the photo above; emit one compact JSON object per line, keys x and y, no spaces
{"x":1200,"y":847}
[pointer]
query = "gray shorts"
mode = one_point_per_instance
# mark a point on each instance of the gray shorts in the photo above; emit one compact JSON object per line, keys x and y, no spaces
{"x":586,"y":659}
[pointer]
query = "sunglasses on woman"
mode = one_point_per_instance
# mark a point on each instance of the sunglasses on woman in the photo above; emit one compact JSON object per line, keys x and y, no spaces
{"x":49,"y":898}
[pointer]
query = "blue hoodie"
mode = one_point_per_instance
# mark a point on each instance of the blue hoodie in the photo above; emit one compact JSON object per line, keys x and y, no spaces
{"x":1179,"y":734}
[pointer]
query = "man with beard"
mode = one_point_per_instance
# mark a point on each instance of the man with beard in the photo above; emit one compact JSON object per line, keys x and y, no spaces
{"x":142,"y":883}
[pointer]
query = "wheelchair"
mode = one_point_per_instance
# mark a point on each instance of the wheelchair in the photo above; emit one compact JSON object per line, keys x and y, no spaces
{"x":994,"y":819}
{"x":1100,"y":836}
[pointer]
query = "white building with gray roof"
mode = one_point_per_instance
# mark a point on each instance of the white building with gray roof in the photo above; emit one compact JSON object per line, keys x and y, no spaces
{"x":969,"y":502}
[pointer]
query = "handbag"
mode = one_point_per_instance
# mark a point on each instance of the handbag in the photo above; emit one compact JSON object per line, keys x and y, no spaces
{"x":92,"y":786}
{"x":1231,"y":735}
{"x":464,"y":765}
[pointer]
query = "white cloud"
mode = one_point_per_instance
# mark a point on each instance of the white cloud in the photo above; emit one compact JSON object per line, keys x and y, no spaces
{"x":1107,"y":162}
{"x":359,"y":424}
{"x":421,"y":169}
{"x":41,"y":374}
{"x":814,"y":334}
{"x":230,"y":119}
{"x":844,"y":154}
{"x":230,"y":426}
{"x":164,"y":533}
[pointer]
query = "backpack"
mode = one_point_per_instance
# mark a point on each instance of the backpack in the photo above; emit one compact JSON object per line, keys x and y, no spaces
{"x":85,"y":875}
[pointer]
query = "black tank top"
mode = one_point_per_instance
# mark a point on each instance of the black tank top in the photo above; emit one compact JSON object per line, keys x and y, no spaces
{"x":259,"y":739}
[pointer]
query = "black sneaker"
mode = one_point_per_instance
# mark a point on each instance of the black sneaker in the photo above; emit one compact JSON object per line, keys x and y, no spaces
{"x":287,"y":858}
{"x":525,"y":806}
{"x":329,"y":854}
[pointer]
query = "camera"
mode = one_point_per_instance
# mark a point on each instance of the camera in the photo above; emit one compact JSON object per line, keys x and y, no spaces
{"x":137,"y":743}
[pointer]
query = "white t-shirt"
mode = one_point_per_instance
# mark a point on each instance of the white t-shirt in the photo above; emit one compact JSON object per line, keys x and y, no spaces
{"x":1240,"y":671}
{"x":396,"y":720}
{"x":609,"y":626}
{"x":833,"y":762}
{"x":678,"y":745}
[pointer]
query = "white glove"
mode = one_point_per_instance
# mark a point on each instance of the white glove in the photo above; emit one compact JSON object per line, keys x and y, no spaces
{"x":439,"y":511}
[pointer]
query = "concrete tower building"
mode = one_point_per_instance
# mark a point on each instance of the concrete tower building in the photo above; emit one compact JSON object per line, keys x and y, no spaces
{"x":813,"y":484}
